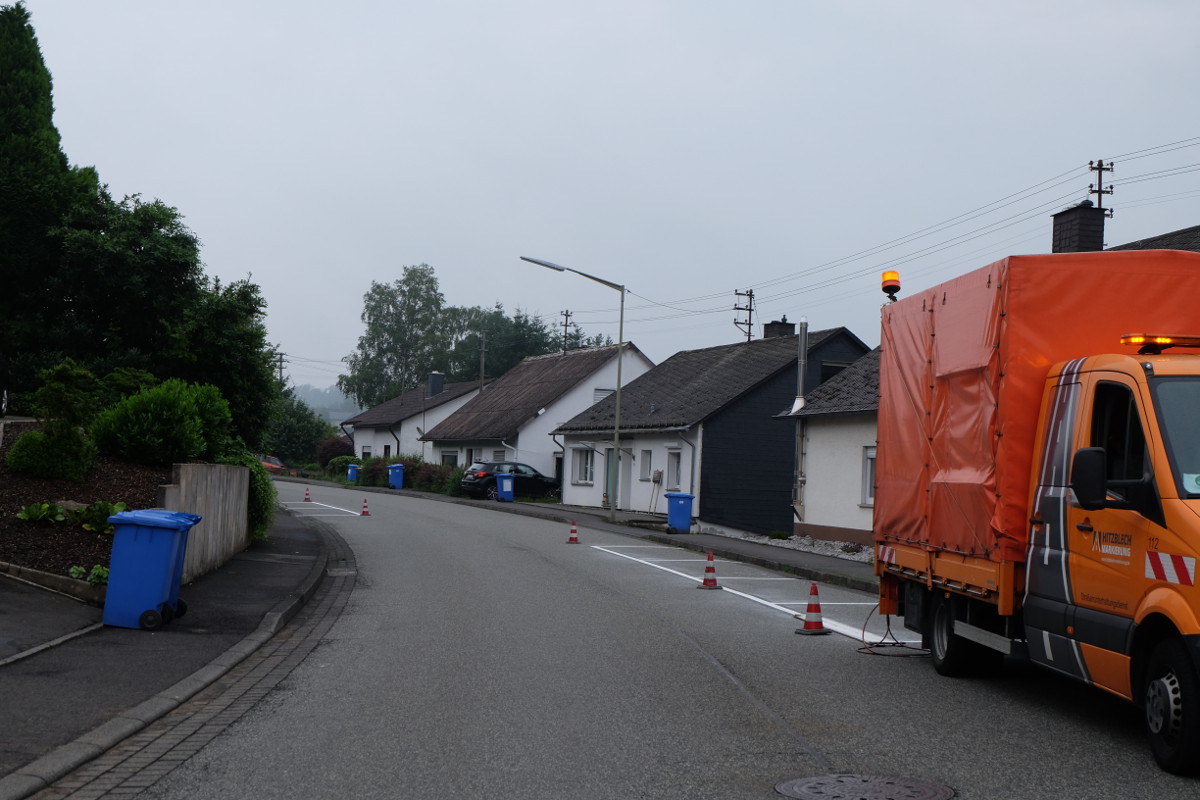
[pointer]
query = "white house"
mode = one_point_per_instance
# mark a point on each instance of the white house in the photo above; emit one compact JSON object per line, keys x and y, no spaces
{"x":512,"y":419}
{"x":836,"y":499}
{"x":394,"y":428}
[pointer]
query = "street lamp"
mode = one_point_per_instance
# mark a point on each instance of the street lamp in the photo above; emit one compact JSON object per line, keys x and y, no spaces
{"x":616,"y":476}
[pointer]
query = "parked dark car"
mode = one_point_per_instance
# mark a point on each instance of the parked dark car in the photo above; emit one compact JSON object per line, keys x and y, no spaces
{"x":480,"y":480}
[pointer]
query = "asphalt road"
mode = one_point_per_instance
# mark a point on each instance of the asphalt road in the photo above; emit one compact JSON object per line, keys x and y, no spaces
{"x":480,"y":655}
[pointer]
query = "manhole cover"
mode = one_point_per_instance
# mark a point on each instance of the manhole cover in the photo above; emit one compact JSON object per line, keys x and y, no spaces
{"x":863,"y":787}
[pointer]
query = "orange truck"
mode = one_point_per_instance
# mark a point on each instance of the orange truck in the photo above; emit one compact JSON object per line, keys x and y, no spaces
{"x":1038,"y":476}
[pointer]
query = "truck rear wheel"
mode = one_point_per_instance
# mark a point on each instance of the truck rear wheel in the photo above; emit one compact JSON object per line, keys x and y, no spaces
{"x":1171,"y":698}
{"x":951,"y":654}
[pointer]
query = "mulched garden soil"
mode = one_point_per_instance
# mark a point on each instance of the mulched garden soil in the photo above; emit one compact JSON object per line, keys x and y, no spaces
{"x":57,"y":547}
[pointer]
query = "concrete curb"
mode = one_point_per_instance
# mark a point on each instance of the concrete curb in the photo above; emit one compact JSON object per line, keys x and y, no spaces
{"x":39,"y":774}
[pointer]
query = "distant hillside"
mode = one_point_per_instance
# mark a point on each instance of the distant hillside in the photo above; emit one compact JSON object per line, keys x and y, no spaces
{"x":328,"y":403}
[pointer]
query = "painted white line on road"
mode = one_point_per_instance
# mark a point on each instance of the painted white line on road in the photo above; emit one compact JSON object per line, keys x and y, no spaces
{"x":837,"y":627}
{"x":304,"y":505}
{"x":824,"y":603}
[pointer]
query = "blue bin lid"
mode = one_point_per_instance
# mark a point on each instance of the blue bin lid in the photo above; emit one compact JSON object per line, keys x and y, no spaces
{"x":680,"y":494}
{"x":156,"y":518}
{"x":395,"y":466}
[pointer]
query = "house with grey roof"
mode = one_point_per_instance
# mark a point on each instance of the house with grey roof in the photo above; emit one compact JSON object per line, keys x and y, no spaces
{"x":513,"y":417}
{"x":704,"y":423}
{"x":395,"y":427}
{"x":835,"y":497}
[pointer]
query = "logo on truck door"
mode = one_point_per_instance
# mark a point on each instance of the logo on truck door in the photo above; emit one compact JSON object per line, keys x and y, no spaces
{"x":1113,"y":544}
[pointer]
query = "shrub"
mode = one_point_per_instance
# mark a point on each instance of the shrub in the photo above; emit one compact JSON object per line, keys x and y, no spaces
{"x":216,"y":421}
{"x":64,"y":453}
{"x":454,"y":482}
{"x":337,"y":466}
{"x":332,"y":448}
{"x":263,"y":500}
{"x":164,"y":424}
{"x":779,"y":535}
{"x":373,"y":472}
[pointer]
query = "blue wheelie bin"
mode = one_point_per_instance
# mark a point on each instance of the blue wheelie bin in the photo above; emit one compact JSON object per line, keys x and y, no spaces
{"x":352,"y":472}
{"x":504,"y":487}
{"x":396,"y":476}
{"x":146,"y":568}
{"x":679,"y":511}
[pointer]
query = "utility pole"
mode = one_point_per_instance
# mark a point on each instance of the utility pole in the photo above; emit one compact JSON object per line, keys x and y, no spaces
{"x":749,"y":309}
{"x":566,"y":315}
{"x":1099,"y":167}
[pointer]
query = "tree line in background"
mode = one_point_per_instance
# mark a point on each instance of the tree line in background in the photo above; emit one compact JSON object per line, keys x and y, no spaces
{"x":117,"y":287}
{"x":409,"y":331}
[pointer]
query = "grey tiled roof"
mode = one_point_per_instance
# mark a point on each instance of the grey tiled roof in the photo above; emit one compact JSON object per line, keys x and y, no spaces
{"x":515,"y":397}
{"x":690,"y":386}
{"x":1184,"y":239}
{"x":856,"y":388}
{"x":409,"y":404}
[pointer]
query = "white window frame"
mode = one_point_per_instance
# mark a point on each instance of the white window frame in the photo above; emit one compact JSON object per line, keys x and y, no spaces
{"x":674,"y":468}
{"x":867,"y":500}
{"x":646,"y":460}
{"x":366,"y":451}
{"x":450,"y":458}
{"x":583,"y":466}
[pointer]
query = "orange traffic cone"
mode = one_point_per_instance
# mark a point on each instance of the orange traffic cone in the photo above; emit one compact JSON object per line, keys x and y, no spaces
{"x":365,"y":512}
{"x":574,"y":535}
{"x":710,"y":575}
{"x":307,"y":499}
{"x":812,"y":615}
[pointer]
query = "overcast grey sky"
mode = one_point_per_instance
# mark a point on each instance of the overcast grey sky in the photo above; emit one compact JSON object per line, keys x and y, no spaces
{"x":684,"y":148}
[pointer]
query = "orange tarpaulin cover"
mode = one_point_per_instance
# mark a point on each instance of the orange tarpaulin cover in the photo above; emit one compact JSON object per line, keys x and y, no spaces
{"x":961,"y":376}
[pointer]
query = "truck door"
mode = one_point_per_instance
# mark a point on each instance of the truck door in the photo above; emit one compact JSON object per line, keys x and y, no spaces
{"x":1082,"y":579}
{"x":1107,"y":547}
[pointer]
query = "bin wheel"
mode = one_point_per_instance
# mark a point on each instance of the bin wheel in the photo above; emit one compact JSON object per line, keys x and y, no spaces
{"x":180,"y":608}
{"x":150,"y":620}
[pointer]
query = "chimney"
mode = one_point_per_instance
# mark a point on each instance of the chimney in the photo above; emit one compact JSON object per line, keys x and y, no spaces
{"x":778,"y":328}
{"x":437,"y":383}
{"x":1079,"y":229}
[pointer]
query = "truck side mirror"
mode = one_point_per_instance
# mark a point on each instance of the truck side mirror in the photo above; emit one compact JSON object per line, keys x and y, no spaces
{"x":1088,"y":478}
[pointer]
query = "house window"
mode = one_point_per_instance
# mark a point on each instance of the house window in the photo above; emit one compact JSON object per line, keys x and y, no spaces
{"x":450,"y":458}
{"x":674,"y":459}
{"x":387,"y":451}
{"x":583,"y":469}
{"x":366,"y":452}
{"x":497,"y":455}
{"x":645,"y":465}
{"x":470,"y":455}
{"x":831,"y":368}
{"x":600,"y":394}
{"x":868,"y":477}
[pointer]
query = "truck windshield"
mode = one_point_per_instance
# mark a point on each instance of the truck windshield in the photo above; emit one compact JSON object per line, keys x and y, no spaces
{"x":1177,"y":400}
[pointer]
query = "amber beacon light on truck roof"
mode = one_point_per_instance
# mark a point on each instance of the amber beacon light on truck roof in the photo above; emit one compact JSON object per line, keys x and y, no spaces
{"x":1154,"y":344}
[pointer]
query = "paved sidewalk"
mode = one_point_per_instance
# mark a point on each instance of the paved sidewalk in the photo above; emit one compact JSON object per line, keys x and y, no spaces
{"x":74,"y":688}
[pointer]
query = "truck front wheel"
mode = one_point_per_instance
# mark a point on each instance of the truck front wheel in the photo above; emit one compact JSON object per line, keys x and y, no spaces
{"x":951,"y":654}
{"x":1171,"y":697}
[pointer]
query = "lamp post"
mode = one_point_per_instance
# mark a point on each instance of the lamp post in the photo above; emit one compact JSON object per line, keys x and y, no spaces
{"x":616,"y":473}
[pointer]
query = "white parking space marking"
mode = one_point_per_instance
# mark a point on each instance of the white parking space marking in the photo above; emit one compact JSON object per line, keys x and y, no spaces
{"x":302,"y":506}
{"x":855,"y":632}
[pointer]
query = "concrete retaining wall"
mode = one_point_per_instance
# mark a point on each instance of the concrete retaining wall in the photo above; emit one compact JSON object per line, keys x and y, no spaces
{"x":219,"y":493}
